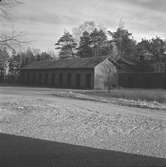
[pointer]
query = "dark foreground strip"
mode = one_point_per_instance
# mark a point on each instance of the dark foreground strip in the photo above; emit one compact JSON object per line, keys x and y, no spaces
{"x":16,"y":151}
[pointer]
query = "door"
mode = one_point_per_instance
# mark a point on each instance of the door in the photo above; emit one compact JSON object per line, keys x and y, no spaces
{"x":60,"y":80}
{"x":53,"y":79}
{"x":69,"y":80}
{"x":46,"y":79}
{"x":78,"y":81}
{"x":88,"y":81}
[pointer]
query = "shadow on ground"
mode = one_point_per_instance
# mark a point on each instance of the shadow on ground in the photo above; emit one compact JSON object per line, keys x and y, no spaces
{"x":16,"y":151}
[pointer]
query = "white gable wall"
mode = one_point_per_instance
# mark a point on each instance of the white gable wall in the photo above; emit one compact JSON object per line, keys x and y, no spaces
{"x":106,"y":75}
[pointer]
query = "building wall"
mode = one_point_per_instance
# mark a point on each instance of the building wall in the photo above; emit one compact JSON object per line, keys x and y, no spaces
{"x":159,"y":67}
{"x":106,"y":75}
{"x":1,"y":75}
{"x":59,"y":78}
{"x":142,"y":80}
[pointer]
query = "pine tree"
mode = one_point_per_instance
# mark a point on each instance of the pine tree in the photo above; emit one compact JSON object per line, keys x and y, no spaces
{"x":125,"y":43}
{"x":66,"y":44}
{"x":98,"y":41}
{"x":84,"y":49}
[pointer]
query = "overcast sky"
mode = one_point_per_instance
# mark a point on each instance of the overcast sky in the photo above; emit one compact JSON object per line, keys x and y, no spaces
{"x":45,"y":20}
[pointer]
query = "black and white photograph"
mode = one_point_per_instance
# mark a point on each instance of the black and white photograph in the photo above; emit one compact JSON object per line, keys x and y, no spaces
{"x":82,"y":83}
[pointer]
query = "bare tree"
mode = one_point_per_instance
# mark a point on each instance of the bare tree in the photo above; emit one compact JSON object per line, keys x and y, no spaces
{"x":12,"y":39}
{"x":6,"y":6}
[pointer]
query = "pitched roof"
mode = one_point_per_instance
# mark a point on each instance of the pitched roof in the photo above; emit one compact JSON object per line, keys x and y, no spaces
{"x":123,"y":65}
{"x":70,"y":63}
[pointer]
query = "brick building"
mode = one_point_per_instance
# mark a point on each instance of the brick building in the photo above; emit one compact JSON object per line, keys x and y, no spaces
{"x":76,"y":73}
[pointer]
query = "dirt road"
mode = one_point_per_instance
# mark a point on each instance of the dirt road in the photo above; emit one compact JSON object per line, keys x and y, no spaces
{"x":35,"y":112}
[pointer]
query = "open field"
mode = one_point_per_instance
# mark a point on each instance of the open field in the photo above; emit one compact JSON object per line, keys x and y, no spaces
{"x":100,"y":128}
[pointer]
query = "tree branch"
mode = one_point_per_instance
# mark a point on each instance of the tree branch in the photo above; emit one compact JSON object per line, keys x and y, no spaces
{"x":12,"y":40}
{"x":5,"y":7}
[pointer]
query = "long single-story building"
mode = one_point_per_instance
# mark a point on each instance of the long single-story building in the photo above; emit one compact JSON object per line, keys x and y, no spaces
{"x":76,"y":73}
{"x":145,"y":80}
{"x":149,"y":74}
{"x":1,"y":73}
{"x":93,"y":73}
{"x":3,"y":66}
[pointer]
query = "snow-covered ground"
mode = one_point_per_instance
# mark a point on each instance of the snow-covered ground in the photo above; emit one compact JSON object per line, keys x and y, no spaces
{"x":38,"y":113}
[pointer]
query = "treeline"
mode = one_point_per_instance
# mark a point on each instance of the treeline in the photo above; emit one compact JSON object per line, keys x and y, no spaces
{"x":89,"y":40}
{"x":95,"y":41}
